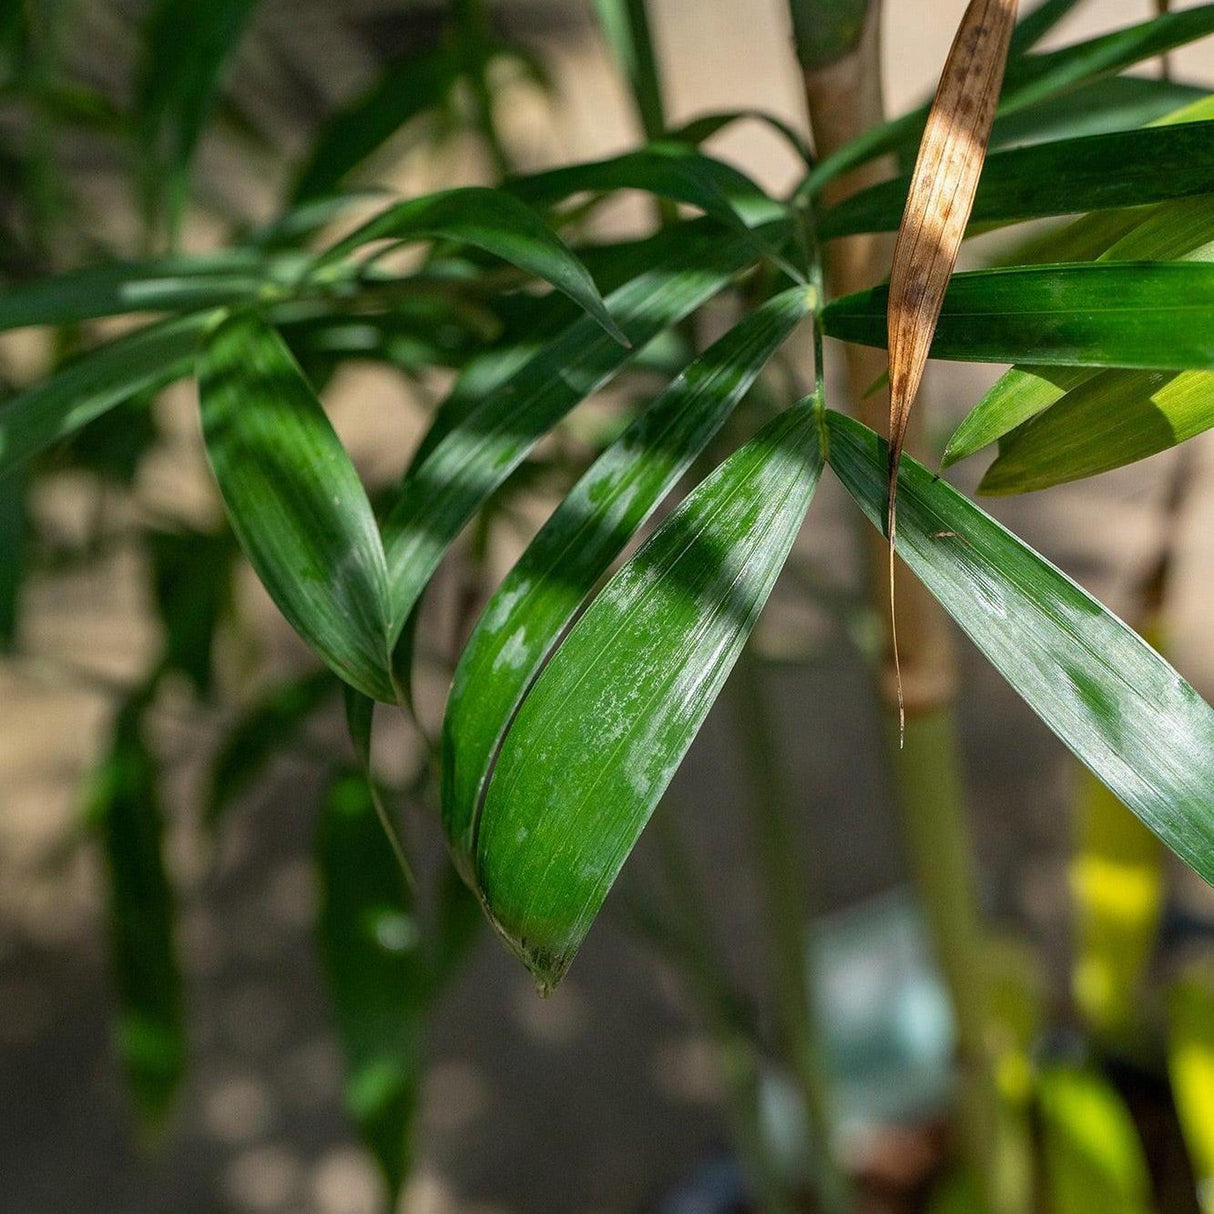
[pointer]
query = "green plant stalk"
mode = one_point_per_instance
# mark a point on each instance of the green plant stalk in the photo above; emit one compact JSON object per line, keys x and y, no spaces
{"x":688,"y":938}
{"x":626,"y":27}
{"x":784,"y":892}
{"x":844,"y":96}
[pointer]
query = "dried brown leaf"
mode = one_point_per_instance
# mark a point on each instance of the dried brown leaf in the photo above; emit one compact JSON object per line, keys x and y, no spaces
{"x":938,"y":207}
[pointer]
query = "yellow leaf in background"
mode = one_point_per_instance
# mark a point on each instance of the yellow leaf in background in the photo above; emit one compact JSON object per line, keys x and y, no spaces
{"x":1191,"y":1063}
{"x":938,"y":207}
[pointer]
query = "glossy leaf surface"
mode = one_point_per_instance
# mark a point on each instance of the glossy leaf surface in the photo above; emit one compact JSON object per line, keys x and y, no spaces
{"x":1119,"y":169}
{"x":295,"y":501}
{"x":609,"y":720}
{"x":495,"y":433}
{"x":537,"y":599}
{"x":491,"y":220}
{"x":1116,"y":314}
{"x":1112,"y":699}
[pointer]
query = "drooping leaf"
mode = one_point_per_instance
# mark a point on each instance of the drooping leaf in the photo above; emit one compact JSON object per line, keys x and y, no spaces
{"x":124,"y":807}
{"x":371,"y":945}
{"x":934,"y":214}
{"x":1093,"y":1156}
{"x":1117,"y":885}
{"x":524,"y":619}
{"x":1119,"y":169}
{"x":192,"y":583}
{"x":295,"y":501}
{"x":96,"y":381}
{"x":704,"y":126}
{"x":1152,"y":315}
{"x":608,"y":721}
{"x":1111,"y":419}
{"x":669,"y":170}
{"x":1031,"y":78}
{"x":406,"y":89}
{"x":187,"y":47}
{"x":491,"y":220}
{"x":689,"y":264}
{"x":1191,"y":1065}
{"x":164,"y":284}
{"x":1113,"y":700}
{"x":267,"y":727}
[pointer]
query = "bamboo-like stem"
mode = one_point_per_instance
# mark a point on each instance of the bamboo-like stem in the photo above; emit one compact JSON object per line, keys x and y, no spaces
{"x":845,"y":97}
{"x":784,"y":891}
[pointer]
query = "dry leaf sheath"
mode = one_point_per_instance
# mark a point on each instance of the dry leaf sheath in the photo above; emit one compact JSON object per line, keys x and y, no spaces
{"x":933,"y":224}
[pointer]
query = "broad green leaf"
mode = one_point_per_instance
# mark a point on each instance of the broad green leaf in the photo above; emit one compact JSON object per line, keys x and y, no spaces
{"x":1191,"y":1065}
{"x":1183,"y":228}
{"x":607,"y":723}
{"x":166,"y":284}
{"x":1152,"y":315}
{"x":96,"y":381}
{"x":187,"y":47}
{"x":295,"y":501}
{"x":192,"y":583}
{"x":1094,"y":1161}
{"x":1118,"y":169}
{"x":1112,"y":419}
{"x":405,"y":90}
{"x":124,"y":807}
{"x":1031,"y":78}
{"x":1117,"y":885}
{"x":270,"y":725}
{"x":491,"y":220}
{"x":669,"y":170}
{"x":1113,"y":700}
{"x":371,"y":944}
{"x":1112,"y":103}
{"x":524,"y":619}
{"x":689,"y":265}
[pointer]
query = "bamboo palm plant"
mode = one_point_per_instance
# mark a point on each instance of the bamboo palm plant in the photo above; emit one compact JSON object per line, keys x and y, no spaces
{"x":586,"y":675}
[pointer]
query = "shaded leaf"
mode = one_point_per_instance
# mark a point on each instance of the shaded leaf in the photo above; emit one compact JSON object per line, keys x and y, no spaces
{"x":705,"y":126}
{"x":268,"y":726}
{"x":14,"y":543}
{"x":688,"y":265}
{"x":123,"y":805}
{"x":406,"y":89}
{"x":96,"y":381}
{"x":524,"y":619}
{"x":371,"y":945}
{"x":1118,"y":169}
{"x":295,"y":501}
{"x":1038,"y":22}
{"x":1113,"y":700}
{"x":491,"y":220}
{"x":607,"y":723}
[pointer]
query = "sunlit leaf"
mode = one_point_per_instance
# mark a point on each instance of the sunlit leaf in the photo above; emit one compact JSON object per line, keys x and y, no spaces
{"x":494,"y":434}
{"x":1119,"y":169}
{"x":1152,"y":315}
{"x":1093,"y":1157}
{"x":523,"y":620}
{"x":295,"y":501}
{"x":609,"y":720}
{"x":1113,"y":700}
{"x":1191,"y":1064}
